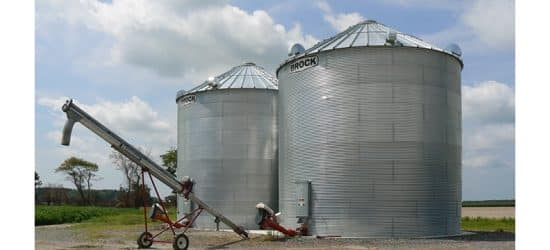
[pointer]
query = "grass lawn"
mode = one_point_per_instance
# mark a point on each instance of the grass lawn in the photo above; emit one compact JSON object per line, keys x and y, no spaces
{"x":49,"y":215}
{"x":99,"y":222}
{"x":98,"y":219}
{"x":488,"y":224}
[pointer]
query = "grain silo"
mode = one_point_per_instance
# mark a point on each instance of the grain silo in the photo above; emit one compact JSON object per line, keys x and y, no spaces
{"x":227,"y":142}
{"x":370,"y":132}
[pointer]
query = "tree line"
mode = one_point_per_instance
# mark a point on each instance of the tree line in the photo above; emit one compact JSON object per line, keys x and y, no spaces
{"x":82,"y":174}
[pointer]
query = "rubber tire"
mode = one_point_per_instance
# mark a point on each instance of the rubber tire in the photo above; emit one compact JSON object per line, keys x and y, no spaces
{"x":181,"y":242}
{"x":143,"y":242}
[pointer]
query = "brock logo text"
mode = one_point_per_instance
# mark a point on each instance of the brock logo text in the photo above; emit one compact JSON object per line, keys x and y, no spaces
{"x":304,"y":63}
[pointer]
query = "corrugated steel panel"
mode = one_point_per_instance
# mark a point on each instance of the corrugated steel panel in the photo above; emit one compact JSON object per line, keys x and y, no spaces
{"x":227,"y":142}
{"x":380,"y":141}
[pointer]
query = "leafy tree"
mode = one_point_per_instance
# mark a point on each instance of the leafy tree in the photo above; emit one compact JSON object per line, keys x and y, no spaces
{"x":81,"y":173}
{"x":37,"y":181}
{"x":139,"y":195}
{"x":132,"y":177}
{"x":171,"y":200}
{"x":170,"y":160}
{"x":55,"y":194}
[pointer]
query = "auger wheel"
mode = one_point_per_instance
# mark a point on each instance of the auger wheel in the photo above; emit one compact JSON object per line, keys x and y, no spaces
{"x":181,"y":242}
{"x":145,"y":240}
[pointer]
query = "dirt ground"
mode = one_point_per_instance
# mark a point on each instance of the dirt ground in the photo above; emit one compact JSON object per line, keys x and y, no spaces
{"x":489,"y":212}
{"x":75,"y":237}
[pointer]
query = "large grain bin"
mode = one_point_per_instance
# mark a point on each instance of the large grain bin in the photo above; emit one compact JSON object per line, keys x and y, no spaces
{"x":227,"y":142}
{"x":372,"y":119}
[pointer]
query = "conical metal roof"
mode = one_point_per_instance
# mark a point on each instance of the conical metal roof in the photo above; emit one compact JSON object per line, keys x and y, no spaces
{"x":244,"y":76}
{"x":372,"y":33}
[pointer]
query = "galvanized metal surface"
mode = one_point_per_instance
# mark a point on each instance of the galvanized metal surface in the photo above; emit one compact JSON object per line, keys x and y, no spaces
{"x":371,"y":33}
{"x":227,"y":142}
{"x":244,"y":76}
{"x":377,"y":130}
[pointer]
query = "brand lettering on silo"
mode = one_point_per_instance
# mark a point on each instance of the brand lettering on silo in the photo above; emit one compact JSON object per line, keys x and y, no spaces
{"x":188,"y":100}
{"x":304,"y":63}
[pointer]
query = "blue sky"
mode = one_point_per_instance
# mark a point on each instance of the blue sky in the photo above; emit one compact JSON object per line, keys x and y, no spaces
{"x":124,"y":61}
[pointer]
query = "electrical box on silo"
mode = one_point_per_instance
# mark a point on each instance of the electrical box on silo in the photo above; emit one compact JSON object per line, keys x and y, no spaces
{"x":303,"y":191}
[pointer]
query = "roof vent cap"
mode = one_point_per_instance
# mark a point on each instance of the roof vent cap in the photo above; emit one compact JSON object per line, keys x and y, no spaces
{"x":212,"y":83}
{"x":455,"y":49}
{"x":392,"y":37}
{"x":296,"y":49}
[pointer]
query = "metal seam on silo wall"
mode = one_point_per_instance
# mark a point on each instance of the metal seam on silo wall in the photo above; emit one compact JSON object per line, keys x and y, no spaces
{"x":377,"y":130}
{"x":227,"y":142}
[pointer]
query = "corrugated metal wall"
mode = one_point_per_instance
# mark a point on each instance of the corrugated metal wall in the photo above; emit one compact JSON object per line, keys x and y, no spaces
{"x":378,"y":132}
{"x":227,"y":142}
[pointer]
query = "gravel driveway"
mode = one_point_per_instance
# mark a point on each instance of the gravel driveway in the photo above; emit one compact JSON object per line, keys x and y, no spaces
{"x":71,"y":237}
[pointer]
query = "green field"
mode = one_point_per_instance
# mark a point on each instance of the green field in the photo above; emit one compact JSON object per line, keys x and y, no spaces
{"x":98,"y":217}
{"x":49,"y":215}
{"x":488,"y":224}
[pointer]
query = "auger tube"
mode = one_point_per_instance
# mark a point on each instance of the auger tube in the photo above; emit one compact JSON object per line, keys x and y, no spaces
{"x":75,"y":114}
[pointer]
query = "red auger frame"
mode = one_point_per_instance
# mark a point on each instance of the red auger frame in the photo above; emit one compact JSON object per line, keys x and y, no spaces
{"x":159,"y":212}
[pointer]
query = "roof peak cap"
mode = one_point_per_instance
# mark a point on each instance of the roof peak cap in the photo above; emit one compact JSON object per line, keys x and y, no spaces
{"x":368,"y":21}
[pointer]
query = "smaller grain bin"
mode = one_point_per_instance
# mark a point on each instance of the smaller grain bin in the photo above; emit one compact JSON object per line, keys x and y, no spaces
{"x":227,"y":142}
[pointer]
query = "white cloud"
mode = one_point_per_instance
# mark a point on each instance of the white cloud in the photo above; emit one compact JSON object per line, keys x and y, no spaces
{"x":436,"y":4}
{"x":481,"y":25}
{"x":181,"y":38}
{"x":488,"y":110}
{"x":479,"y":161}
{"x":488,"y":101}
{"x":134,"y":42}
{"x":501,"y":157}
{"x":490,"y":136}
{"x":82,"y":145}
{"x":339,"y":21}
{"x":133,"y":118}
{"x":324,"y":6}
{"x":54,"y":103}
{"x":492,"y":21}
